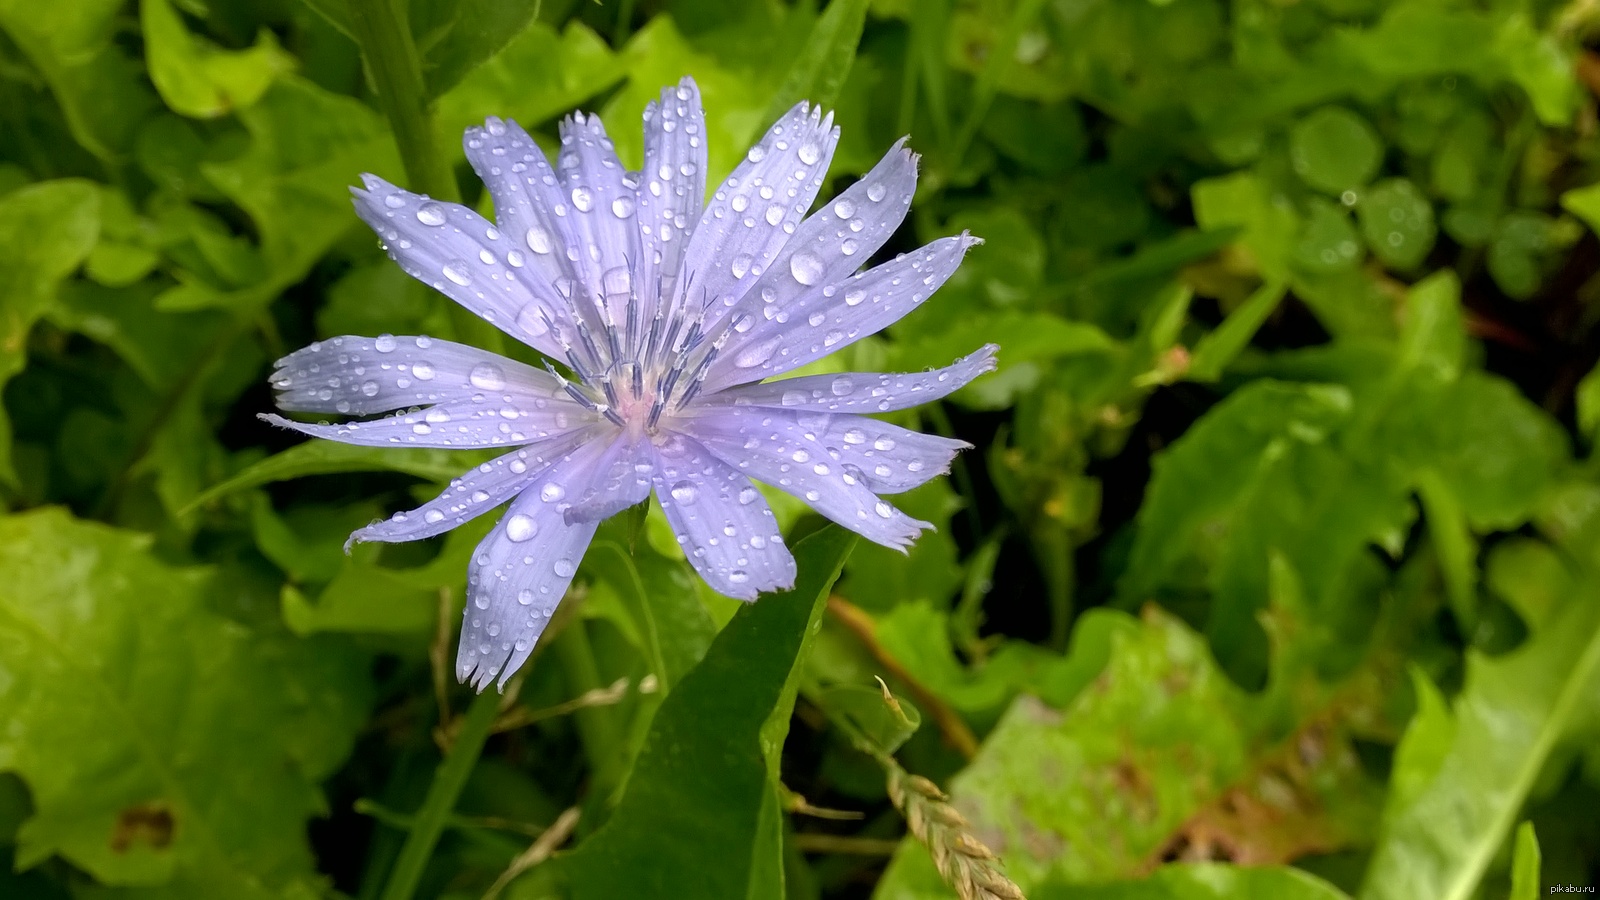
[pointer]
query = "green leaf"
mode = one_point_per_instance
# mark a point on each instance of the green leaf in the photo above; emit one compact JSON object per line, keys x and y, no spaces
{"x":1584,"y":203}
{"x":705,"y":786}
{"x":1334,"y":150}
{"x":100,"y":90}
{"x":46,"y":231}
{"x":143,"y":722}
{"x":1525,"y":865}
{"x":540,"y":74}
{"x":1397,"y":221}
{"x":1202,"y":881}
{"x":455,"y":38}
{"x":198,"y":79}
{"x":1269,"y":222}
{"x":1441,"y":828}
{"x":332,"y":458}
{"x":1154,"y":743}
{"x":1328,"y":241}
{"x":825,"y":60}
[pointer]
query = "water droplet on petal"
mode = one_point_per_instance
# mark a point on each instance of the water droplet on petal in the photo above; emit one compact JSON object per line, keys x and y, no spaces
{"x":487,"y":376}
{"x":774,"y":215}
{"x":369,"y":388}
{"x":422,"y":371}
{"x":582,"y":198}
{"x":622,"y":207}
{"x":747,"y":495}
{"x":757,"y":153}
{"x":844,"y":209}
{"x":431,"y":214}
{"x":433,"y":516}
{"x":525,"y":597}
{"x":384,"y":344}
{"x":552,"y":492}
{"x":565,"y":567}
{"x":884,"y":444}
{"x":884,"y":509}
{"x":738,"y":576}
{"x":806,"y":267}
{"x":394,"y":201}
{"x":684,"y":492}
{"x":854,"y":298}
{"x":740,"y":266}
{"x":875,"y":193}
{"x":456,"y":271}
{"x":755,"y":355}
{"x":809,"y":153}
{"x":539,"y":240}
{"x":520,"y":528}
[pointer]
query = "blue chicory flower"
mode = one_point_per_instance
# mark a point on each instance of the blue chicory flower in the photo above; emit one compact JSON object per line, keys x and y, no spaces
{"x":667,"y":313}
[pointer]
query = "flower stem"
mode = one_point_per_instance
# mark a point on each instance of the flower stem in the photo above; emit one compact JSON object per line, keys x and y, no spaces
{"x":383,"y":31}
{"x":448,"y":781}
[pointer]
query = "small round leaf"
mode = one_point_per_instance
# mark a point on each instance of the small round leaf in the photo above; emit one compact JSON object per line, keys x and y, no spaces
{"x":1334,"y":150}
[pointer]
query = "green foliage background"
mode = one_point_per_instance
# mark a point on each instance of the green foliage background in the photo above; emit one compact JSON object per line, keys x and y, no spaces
{"x":1275,"y":572}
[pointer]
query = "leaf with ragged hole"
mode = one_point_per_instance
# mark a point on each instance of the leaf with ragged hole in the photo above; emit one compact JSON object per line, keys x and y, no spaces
{"x":1157,"y":754}
{"x":127,"y":699}
{"x":705,"y":786}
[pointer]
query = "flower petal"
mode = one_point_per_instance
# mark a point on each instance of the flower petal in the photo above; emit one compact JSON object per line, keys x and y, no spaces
{"x":477,"y":491}
{"x":672,"y":188}
{"x":601,"y":235}
{"x":520,"y":572}
{"x":861,"y":392}
{"x":830,"y":318}
{"x":751,"y":216}
{"x":887,"y":458}
{"x":784,"y":449}
{"x":728,"y":531}
{"x":465,"y":258}
{"x":836,"y":240}
{"x":483,"y":420}
{"x":524,"y":190}
{"x":620,"y":478}
{"x":360,"y":376}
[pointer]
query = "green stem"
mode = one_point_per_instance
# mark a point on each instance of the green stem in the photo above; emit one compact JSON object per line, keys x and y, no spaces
{"x":448,"y":781}
{"x":597,"y":725}
{"x":383,"y":31}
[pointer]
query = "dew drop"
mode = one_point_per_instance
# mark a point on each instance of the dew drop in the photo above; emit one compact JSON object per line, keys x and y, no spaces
{"x":740,"y":266}
{"x":774,"y":215}
{"x":806,"y":267}
{"x":525,"y":597}
{"x":369,"y":388}
{"x":539,"y":240}
{"x":884,"y":444}
{"x":747,"y":495}
{"x":883,"y":509}
{"x":684,"y":492}
{"x":744,"y":323}
{"x":394,"y":201}
{"x":565,"y":567}
{"x":875,"y":193}
{"x":841,"y":386}
{"x":582,"y":198}
{"x":431,"y":214}
{"x":809,"y":153}
{"x":456,"y":271}
{"x":433,"y":516}
{"x":844,"y":209}
{"x":520,"y":528}
{"x":515,"y":259}
{"x":817,"y":318}
{"x":487,"y":376}
{"x":622,"y":207}
{"x":738,"y":576}
{"x":530,"y":321}
{"x":854,"y":298}
{"x":757,"y":153}
{"x":552,"y":492}
{"x":384,"y":343}
{"x":422,"y":371}
{"x":756,"y":354}
{"x":849,"y":247}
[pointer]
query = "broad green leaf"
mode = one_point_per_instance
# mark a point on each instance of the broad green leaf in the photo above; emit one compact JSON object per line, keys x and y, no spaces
{"x":143,"y":722}
{"x":317,"y":457}
{"x":455,"y":38}
{"x":1397,"y":221}
{"x":1441,"y":826}
{"x":1202,"y":881}
{"x":1334,"y":150}
{"x":825,"y":60}
{"x":198,"y":79}
{"x":100,"y":90}
{"x":1584,"y":203}
{"x":307,"y":147}
{"x":1328,"y":241}
{"x":46,"y":231}
{"x":705,"y":785}
{"x":1588,"y":403}
{"x":1268,"y":220}
{"x":540,"y":74}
